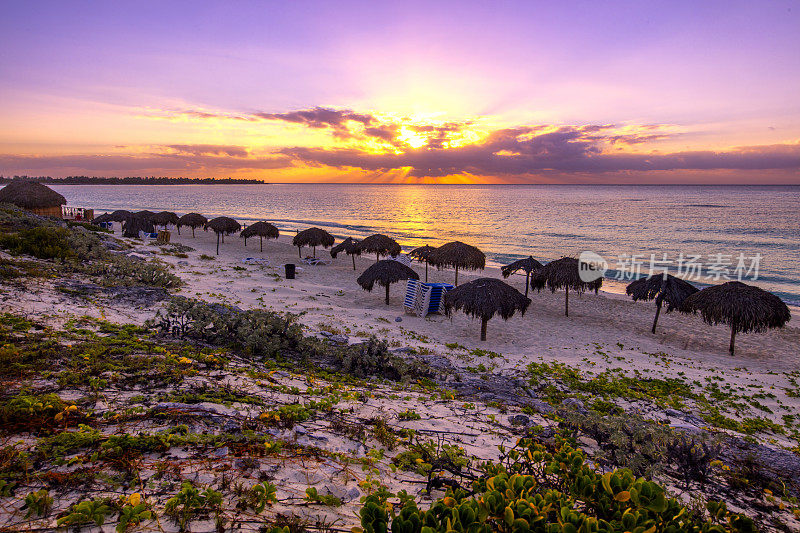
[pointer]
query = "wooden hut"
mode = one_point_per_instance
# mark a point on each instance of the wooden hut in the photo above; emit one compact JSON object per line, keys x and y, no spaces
{"x":33,"y":196}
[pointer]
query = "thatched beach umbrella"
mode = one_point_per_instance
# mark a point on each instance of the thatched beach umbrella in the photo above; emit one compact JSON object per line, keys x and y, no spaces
{"x":563,"y":273}
{"x":136,"y":223}
{"x":529,"y":264}
{"x":100,"y":219}
{"x":743,"y":307}
{"x":223,"y":226}
{"x":458,"y":255}
{"x":193,"y":220}
{"x":485,"y":297}
{"x":421,"y":254}
{"x":380,"y":244}
{"x":120,"y":215}
{"x":165,"y":217}
{"x":385,"y":273}
{"x":662,"y":288}
{"x":348,"y":246}
{"x":33,"y":196}
{"x":260,"y":230}
{"x":313,"y":237}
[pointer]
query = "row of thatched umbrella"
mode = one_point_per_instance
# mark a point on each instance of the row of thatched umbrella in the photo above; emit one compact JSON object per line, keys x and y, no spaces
{"x":742,"y":307}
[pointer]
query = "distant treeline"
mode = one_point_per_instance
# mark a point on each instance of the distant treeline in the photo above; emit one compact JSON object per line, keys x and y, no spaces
{"x":131,"y":180}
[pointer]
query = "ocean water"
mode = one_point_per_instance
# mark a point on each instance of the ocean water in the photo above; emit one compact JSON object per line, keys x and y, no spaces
{"x":509,"y":222}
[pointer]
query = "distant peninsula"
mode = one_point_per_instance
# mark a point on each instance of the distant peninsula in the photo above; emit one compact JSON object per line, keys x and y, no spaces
{"x":132,"y":180}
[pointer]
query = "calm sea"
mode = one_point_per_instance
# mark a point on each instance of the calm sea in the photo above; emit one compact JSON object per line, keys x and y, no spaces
{"x":512,"y":221}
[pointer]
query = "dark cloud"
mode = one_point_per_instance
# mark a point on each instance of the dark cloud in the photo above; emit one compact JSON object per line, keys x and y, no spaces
{"x":526,"y":151}
{"x":137,"y":163}
{"x":323,"y":117}
{"x":209,"y":149}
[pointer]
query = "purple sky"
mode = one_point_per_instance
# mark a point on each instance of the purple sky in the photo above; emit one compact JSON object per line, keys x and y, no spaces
{"x":603,"y":92}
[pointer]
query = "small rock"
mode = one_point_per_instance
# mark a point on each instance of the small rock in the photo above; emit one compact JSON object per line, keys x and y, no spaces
{"x":576,"y":404}
{"x":183,"y":263}
{"x":353,"y":493}
{"x":300,"y":430}
{"x":339,"y":339}
{"x":519,"y":420}
{"x":398,"y":319}
{"x":221,"y":452}
{"x":674,"y":413}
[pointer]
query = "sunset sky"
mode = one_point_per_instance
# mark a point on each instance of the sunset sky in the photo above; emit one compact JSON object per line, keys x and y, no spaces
{"x":433,"y":92}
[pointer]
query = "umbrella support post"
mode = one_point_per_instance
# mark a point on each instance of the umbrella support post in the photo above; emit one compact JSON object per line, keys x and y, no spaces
{"x":456,"y":276}
{"x":299,"y":252}
{"x":426,"y":271}
{"x":387,"y":294}
{"x":223,"y":238}
{"x":527,"y":282}
{"x":658,"y":312}
{"x":566,"y":303}
{"x":245,"y":242}
{"x":733,"y":339}
{"x":484,"y":322}
{"x":353,"y":257}
{"x":192,"y":232}
{"x":262,"y":243}
{"x":314,"y":251}
{"x":217,"y":243}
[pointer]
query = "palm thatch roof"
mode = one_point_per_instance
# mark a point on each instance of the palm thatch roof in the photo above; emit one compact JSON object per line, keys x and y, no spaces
{"x":313,"y":237}
{"x":458,"y":255}
{"x":379,"y":244}
{"x":134,"y":224}
{"x":529,"y":264}
{"x":564,"y":274}
{"x":120,"y":215}
{"x":744,"y":308}
{"x":30,"y":195}
{"x":661,"y":288}
{"x":421,"y":253}
{"x":485,"y":297}
{"x":105,"y":217}
{"x":348,"y":246}
{"x":384,"y":273}
{"x":144,"y":214}
{"x":165,"y":217}
{"x":192,"y":220}
{"x":223,"y":226}
{"x":260,"y":230}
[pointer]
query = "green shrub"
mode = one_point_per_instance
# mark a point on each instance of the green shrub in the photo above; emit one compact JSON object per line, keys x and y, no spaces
{"x":43,"y":243}
{"x":534,"y":490}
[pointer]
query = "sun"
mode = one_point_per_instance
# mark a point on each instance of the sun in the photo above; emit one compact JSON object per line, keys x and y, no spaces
{"x":412,"y":138}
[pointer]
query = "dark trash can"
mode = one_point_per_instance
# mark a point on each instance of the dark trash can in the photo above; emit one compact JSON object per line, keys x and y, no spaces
{"x":289,"y":270}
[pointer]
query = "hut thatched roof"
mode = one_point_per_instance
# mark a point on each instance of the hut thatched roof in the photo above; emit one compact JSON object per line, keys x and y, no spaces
{"x":348,"y":246}
{"x":457,"y":254}
{"x":224,"y":225}
{"x":30,"y":195}
{"x":192,"y":220}
{"x":485,"y":297}
{"x":421,"y":253}
{"x":667,"y":289}
{"x":384,"y":273}
{"x":165,"y":217}
{"x":529,"y":264}
{"x":563,"y":274}
{"x":379,"y":244}
{"x":313,"y":237}
{"x":260,"y":229}
{"x":743,"y":307}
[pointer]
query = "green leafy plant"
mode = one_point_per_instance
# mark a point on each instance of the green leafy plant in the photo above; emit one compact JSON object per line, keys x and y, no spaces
{"x":38,"y":503}
{"x":86,"y":512}
{"x":324,"y":499}
{"x":190,"y":502}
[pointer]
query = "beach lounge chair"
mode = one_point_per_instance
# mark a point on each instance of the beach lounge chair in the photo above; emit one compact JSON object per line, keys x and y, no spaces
{"x":402,"y":258}
{"x":256,"y":261}
{"x":316,"y":261}
{"x":423,"y":299}
{"x":145,"y":236}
